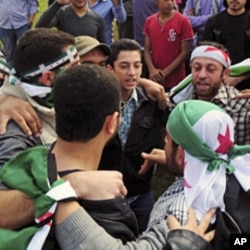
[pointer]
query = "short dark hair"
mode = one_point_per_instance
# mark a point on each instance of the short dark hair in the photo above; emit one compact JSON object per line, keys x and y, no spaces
{"x":38,"y":46}
{"x":84,"y":95}
{"x":123,"y":44}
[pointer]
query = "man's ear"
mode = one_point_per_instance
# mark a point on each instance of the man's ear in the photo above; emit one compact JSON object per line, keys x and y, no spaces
{"x":226,"y":72}
{"x":109,"y":67}
{"x":47,"y":78}
{"x":112,"y":123}
{"x":180,"y":157}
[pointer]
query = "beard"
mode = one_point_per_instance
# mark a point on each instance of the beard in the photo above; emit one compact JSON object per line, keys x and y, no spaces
{"x":172,"y":166}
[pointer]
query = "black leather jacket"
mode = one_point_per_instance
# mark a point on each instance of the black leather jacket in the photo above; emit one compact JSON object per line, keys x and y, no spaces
{"x":186,"y":240}
{"x":146,"y":133}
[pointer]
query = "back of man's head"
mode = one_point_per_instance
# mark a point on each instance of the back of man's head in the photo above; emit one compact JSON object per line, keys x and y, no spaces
{"x":196,"y":126}
{"x":124,"y":44}
{"x":84,"y":96}
{"x":39,"y":46}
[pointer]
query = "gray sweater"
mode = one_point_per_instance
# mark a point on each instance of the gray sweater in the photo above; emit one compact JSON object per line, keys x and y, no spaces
{"x":79,"y":232}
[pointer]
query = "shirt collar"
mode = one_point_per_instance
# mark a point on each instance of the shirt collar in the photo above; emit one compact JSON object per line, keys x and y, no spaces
{"x":221,"y":96}
{"x":133,"y":98}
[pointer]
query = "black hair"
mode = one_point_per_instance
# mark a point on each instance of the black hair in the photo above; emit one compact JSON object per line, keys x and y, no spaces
{"x":123,"y":44}
{"x":84,"y":95}
{"x":38,"y":46}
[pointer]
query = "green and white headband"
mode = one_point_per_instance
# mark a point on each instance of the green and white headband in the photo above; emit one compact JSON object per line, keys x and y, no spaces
{"x":30,"y":88}
{"x":66,"y":57}
{"x":206,"y":133}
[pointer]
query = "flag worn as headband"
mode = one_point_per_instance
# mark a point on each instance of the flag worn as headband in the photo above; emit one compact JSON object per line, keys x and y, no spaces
{"x":212,"y":53}
{"x":183,"y":90}
{"x":206,"y":133}
{"x":33,"y":89}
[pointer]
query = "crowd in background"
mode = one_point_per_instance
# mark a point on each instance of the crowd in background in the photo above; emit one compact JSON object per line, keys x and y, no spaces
{"x":161,"y":54}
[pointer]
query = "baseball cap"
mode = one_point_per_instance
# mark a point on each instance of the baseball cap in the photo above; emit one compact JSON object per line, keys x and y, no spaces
{"x":85,"y":44}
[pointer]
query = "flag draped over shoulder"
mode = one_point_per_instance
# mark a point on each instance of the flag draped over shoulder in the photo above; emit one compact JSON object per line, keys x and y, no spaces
{"x":28,"y":172}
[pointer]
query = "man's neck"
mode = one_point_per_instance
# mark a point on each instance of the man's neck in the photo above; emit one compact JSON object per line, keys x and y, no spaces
{"x":236,"y":12}
{"x":76,"y":155}
{"x":126,"y":95}
{"x":80,"y":11}
{"x":164,"y":17}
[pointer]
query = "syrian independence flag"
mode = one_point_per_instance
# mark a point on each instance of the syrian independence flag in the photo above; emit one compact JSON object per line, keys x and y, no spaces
{"x":28,"y":172}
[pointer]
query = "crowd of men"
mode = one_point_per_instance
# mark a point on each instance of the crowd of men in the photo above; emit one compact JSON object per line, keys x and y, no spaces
{"x":85,"y":120}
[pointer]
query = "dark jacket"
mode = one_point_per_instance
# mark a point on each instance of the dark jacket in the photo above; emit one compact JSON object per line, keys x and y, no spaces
{"x":186,"y":240}
{"x":114,"y":215}
{"x":146,"y":132}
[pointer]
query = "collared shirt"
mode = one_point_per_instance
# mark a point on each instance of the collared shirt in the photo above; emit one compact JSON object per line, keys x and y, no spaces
{"x":238,"y":109}
{"x":127,"y":115}
{"x":172,"y":201}
{"x":15,"y":13}
{"x":109,"y":12}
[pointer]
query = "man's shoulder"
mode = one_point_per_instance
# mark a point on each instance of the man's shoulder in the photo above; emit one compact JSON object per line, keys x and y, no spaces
{"x":13,"y":129}
{"x":218,"y":16}
{"x":226,"y":97}
{"x":92,"y":14}
{"x":15,"y":141}
{"x":61,"y":9}
{"x":15,"y":135}
{"x":142,"y":97}
{"x":180,"y":16}
{"x":152,"y":17}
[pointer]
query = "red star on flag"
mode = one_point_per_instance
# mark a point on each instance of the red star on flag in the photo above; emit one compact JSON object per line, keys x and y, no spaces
{"x":225,"y":142}
{"x":218,"y":50}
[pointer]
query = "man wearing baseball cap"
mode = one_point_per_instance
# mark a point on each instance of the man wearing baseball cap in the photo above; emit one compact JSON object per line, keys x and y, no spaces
{"x":91,"y":50}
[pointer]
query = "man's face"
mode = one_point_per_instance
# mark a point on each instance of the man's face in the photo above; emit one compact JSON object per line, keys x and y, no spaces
{"x":171,"y":153}
{"x":207,"y":77}
{"x":55,"y":73}
{"x":128,"y":69}
{"x":79,"y":3}
{"x":236,"y":5}
{"x":166,"y":6}
{"x":95,"y":56}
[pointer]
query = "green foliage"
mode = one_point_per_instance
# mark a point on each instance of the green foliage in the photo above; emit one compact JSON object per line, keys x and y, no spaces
{"x":43,"y":5}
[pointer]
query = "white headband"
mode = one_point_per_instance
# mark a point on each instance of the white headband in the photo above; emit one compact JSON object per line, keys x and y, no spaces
{"x":213,"y":53}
